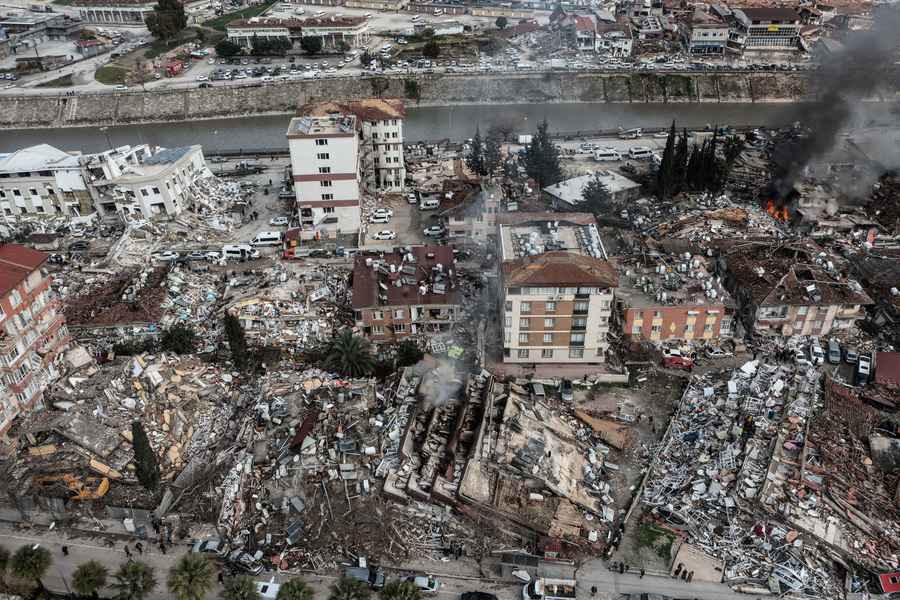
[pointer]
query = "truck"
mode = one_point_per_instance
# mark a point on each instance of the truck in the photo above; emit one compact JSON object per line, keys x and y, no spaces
{"x":525,"y":138}
{"x":545,"y":588}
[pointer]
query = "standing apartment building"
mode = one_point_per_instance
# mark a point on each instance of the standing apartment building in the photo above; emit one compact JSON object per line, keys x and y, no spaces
{"x":325,"y":166}
{"x":33,"y":334}
{"x":406,"y":293}
{"x":43,"y":180}
{"x":557,"y":290}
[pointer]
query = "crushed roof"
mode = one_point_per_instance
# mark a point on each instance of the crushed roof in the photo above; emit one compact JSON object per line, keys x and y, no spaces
{"x":370,"y":109}
{"x":559,"y":268}
{"x":403,"y":286}
{"x":887,"y":368}
{"x":16,"y":263}
{"x":167,"y":156}
{"x":34,"y":158}
{"x":584,"y":24}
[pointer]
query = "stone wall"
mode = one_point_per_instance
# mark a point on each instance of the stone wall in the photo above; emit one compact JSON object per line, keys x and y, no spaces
{"x":22,"y":112}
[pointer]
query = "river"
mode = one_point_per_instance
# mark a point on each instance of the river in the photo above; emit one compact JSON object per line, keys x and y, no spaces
{"x":422,"y":123}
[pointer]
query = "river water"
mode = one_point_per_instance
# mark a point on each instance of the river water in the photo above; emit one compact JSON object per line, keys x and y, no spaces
{"x":422,"y":123}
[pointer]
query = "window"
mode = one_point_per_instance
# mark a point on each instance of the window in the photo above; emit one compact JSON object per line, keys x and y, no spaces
{"x":802,"y":310}
{"x":394,"y":134}
{"x":656,"y":328}
{"x":577,"y":338}
{"x":526,"y":308}
{"x":324,"y":170}
{"x":17,"y":193}
{"x":581,"y":307}
{"x":144,"y":192}
{"x":635,"y":330}
{"x":548,"y":338}
{"x":378,"y":329}
{"x":399,"y":313}
{"x":156,"y":191}
{"x":323,"y":156}
{"x":327,"y":196}
{"x":326,"y":183}
{"x":549,"y":323}
{"x":604,"y":304}
{"x":399,"y":327}
{"x":507,"y":322}
{"x":523,"y":323}
{"x":576,"y":352}
{"x":328,"y":210}
{"x":657,"y":314}
{"x":689,"y":329}
{"x":33,"y":191}
{"x":523,"y":338}
{"x":707,"y":328}
{"x":394,"y":122}
{"x":523,"y":354}
{"x":508,"y":306}
{"x":2,"y":194}
{"x":378,"y":315}
{"x":579,"y":323}
{"x":550,"y":306}
{"x":547,"y":353}
{"x":14,"y":298}
{"x":321,"y":142}
{"x":374,"y":135}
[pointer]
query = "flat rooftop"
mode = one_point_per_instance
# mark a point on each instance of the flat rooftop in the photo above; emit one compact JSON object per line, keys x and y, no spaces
{"x":336,"y":124}
{"x":571,"y":191}
{"x":548,"y":234}
{"x":673,"y":280}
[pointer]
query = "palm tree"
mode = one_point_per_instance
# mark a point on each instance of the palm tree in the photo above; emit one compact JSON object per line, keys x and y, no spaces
{"x":31,"y":562}
{"x":134,"y":581}
{"x":401,"y":590}
{"x":89,"y":578}
{"x":4,"y":563}
{"x":349,"y":355}
{"x":296,"y":589}
{"x":347,"y":588}
{"x":191,"y":577}
{"x":240,"y":588}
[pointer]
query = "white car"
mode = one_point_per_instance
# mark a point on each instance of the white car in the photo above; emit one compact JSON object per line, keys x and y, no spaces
{"x":384,"y":234}
{"x":380,"y":218}
{"x":202,"y":78}
{"x":434,"y":231}
{"x":279,"y":221}
{"x":425,"y":583}
{"x":383,"y":211}
{"x":167,"y":255}
{"x":121,"y":88}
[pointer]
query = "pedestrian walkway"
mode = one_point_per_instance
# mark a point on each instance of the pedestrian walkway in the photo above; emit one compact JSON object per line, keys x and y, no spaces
{"x":596,"y":573}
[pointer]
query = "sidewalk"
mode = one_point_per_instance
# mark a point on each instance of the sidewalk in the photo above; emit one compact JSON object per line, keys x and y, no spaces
{"x":596,"y":573}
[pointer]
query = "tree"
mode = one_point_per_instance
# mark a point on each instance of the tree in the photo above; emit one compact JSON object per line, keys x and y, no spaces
{"x":191,"y":577}
{"x":89,"y":578}
{"x":504,"y":127}
{"x":665,"y":176}
{"x":167,"y":19}
{"x":597,"y":198}
{"x":236,"y":341}
{"x":4,"y":564}
{"x":227,"y":49}
{"x":347,"y":588}
{"x":682,"y":154}
{"x":411,"y":89}
{"x":401,"y":590}
{"x":240,"y":588}
{"x":311,"y":44}
{"x":145,"y":461}
{"x":542,"y":158}
{"x":408,"y":353}
{"x":365,"y":58}
{"x":31,"y":562}
{"x":475,"y":159}
{"x":134,"y":581}
{"x":501,"y":22}
{"x":493,"y":155}
{"x":349,"y":355}
{"x":431,"y":49}
{"x":179,"y":339}
{"x":295,"y":589}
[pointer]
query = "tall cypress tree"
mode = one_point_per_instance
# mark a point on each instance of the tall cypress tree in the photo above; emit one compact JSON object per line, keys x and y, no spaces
{"x":492,"y":153}
{"x":542,"y":158}
{"x":682,"y":154}
{"x":665,"y":176}
{"x":236,"y":341}
{"x":146,"y":464}
{"x":475,"y":160}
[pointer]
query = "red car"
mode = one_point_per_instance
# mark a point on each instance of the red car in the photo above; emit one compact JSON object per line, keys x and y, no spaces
{"x":678,"y":362}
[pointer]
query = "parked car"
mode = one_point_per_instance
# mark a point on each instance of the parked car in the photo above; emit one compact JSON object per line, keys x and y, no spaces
{"x":167,"y":255}
{"x":816,"y":354}
{"x":374,"y":578}
{"x":383,"y":211}
{"x":384,"y":234}
{"x":834,"y":352}
{"x":213,"y":546}
{"x":56,"y":259}
{"x":245,"y":562}
{"x":434,"y":231}
{"x":196,"y":255}
{"x":279,"y":221}
{"x":851,"y":355}
{"x":425,"y":583}
{"x":319,"y":253}
{"x":477,"y":596}
{"x":863,"y":369}
{"x":565,"y":390}
{"x":379,"y":218}
{"x":213,"y":255}
{"x":79,"y":246}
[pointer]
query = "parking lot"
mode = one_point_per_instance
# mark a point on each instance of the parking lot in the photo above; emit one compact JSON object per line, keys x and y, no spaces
{"x":407,"y":223}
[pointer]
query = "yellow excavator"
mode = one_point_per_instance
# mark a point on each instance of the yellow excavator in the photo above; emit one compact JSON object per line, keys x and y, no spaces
{"x":89,"y":488}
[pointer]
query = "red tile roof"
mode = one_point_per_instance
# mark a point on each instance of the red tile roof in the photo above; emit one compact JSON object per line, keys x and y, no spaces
{"x":887,"y":370}
{"x":584,"y":24}
{"x":560,"y":268}
{"x":16,"y":264}
{"x":367,"y":280}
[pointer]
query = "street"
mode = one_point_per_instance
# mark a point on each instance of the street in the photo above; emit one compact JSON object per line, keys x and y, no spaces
{"x":83,"y":547}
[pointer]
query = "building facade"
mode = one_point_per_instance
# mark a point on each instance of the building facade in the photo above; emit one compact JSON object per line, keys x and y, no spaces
{"x":768,"y":29}
{"x":42,"y":180}
{"x":33,"y":335}
{"x":325,"y":166}
{"x":705,"y":34}
{"x":475,"y":218}
{"x":405,"y":294}
{"x":557,"y":290}
{"x":117,"y":12}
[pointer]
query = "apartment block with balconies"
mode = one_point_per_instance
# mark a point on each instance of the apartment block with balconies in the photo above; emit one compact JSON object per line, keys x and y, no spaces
{"x":557,"y":289}
{"x":33,"y":333}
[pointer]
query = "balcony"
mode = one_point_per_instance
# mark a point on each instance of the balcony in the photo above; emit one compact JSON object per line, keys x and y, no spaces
{"x":576,"y":327}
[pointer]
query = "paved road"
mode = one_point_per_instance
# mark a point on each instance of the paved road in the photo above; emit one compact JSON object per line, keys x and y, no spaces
{"x":85,"y":547}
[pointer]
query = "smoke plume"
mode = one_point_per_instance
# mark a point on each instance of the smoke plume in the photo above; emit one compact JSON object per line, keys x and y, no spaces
{"x":844,"y":80}
{"x":440,"y":383}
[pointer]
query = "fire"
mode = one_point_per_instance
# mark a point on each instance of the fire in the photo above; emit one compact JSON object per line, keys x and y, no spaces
{"x":782,"y":214}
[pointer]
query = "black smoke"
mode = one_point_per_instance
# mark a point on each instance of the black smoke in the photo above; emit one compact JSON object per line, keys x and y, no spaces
{"x":843,"y":80}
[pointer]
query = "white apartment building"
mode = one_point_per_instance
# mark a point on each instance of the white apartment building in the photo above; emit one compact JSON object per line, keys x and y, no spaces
{"x":557,"y":295}
{"x":42,"y":180}
{"x":132,"y":182}
{"x":116,"y":12}
{"x":325,"y":166}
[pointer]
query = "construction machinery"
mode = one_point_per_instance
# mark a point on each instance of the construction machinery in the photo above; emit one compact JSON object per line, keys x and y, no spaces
{"x":75,"y":488}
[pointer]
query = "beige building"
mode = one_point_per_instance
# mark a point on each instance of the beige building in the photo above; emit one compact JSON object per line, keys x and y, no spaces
{"x":557,"y":291}
{"x":42,"y":180}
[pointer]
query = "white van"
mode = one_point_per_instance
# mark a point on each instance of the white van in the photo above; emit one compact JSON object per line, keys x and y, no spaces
{"x":320,"y":14}
{"x":640,"y":153}
{"x":602,"y":154}
{"x":267,"y":238}
{"x":416,"y":18}
{"x":430,"y":204}
{"x":239,"y":252}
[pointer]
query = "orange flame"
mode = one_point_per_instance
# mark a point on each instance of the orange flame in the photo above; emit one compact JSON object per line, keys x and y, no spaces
{"x":782,"y":214}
